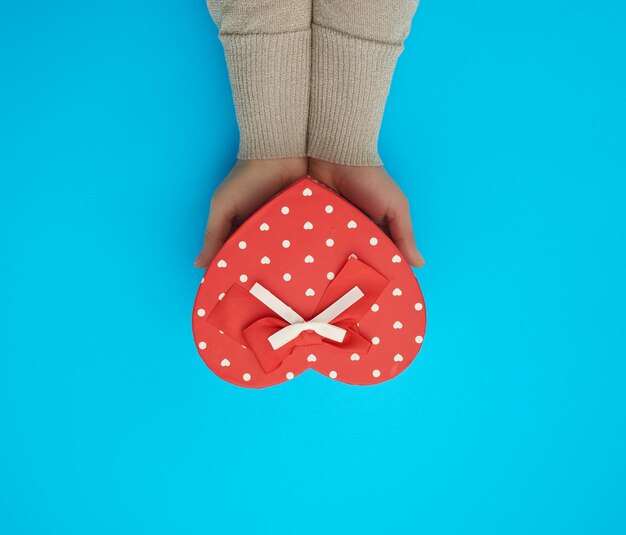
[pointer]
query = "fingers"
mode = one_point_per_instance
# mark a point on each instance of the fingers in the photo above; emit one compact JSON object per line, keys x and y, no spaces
{"x":401,"y":230}
{"x":217,"y":230}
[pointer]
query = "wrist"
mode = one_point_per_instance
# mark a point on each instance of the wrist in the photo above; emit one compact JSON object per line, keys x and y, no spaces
{"x":323,"y":169}
{"x":281,"y":168}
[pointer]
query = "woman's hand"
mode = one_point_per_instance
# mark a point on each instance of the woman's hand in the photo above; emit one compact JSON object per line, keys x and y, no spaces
{"x":373,"y":191}
{"x":251,"y":183}
{"x":247,"y":187}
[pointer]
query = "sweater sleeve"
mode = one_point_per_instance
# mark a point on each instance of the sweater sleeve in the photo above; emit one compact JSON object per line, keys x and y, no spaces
{"x":267,"y":45}
{"x":355,"y":46}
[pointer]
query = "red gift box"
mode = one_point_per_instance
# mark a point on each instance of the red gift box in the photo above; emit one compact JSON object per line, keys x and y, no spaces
{"x":308,"y":282}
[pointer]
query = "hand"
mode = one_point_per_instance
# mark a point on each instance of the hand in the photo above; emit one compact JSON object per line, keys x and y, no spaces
{"x":373,"y":191}
{"x":249,"y":184}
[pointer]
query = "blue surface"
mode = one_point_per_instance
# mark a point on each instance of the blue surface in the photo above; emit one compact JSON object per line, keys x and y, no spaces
{"x":506,"y":126}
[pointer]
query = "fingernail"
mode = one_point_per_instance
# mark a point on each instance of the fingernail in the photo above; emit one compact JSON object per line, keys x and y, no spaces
{"x":420,"y":259}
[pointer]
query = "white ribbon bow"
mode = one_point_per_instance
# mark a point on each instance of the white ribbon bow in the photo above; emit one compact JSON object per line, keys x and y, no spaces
{"x":297,"y":324}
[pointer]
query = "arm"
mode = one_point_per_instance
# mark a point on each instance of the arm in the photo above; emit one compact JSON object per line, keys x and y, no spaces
{"x":355,"y":46}
{"x":267,"y":45}
{"x":347,"y":65}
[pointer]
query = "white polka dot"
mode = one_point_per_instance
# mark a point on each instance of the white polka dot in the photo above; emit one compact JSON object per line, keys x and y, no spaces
{"x":330,"y":275}
{"x":397,"y":325}
{"x":373,"y":241}
{"x":222,"y":264}
{"x":284,"y":210}
{"x":202,"y":345}
{"x":308,"y":259}
{"x":310,"y":292}
{"x":398,"y":358}
{"x":247,"y":377}
{"x":328,"y":209}
{"x":311,"y":358}
{"x":396,"y":292}
{"x":287,"y":277}
{"x":264,"y":227}
{"x":419,"y":306}
{"x":201,"y":312}
{"x":333,"y":374}
{"x":308,"y":225}
{"x":307,"y":192}
{"x":265,"y":260}
{"x":419,"y":339}
{"x":289,"y":375}
{"x":330,"y":242}
{"x":375,"y":308}
{"x":221,"y":296}
{"x":352,"y":223}
{"x":243,"y":277}
{"x":225,"y":363}
{"x":243,"y":245}
{"x":376,"y":373}
{"x":375,"y":340}
{"x":286,"y":243}
{"x":396,"y":259}
{"x":355,"y":356}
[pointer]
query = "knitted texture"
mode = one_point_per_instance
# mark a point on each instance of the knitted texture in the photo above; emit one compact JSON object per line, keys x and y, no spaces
{"x":260,"y":16}
{"x":267,"y":44}
{"x":350,"y":80}
{"x":269,"y":76}
{"x":311,"y":77}
{"x":355,"y":47}
{"x":387,"y":21}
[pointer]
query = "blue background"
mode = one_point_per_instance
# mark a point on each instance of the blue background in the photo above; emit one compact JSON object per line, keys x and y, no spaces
{"x":505,"y":126}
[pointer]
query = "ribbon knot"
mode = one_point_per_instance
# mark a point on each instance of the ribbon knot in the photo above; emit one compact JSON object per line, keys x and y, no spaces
{"x":320,"y":324}
{"x":290,"y":332}
{"x":272,"y":329}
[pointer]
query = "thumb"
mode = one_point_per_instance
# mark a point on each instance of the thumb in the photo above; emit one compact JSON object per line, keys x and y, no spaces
{"x":217,"y":230}
{"x":401,"y":230}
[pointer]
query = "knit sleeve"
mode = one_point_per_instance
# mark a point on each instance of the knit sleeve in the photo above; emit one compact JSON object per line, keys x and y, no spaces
{"x":267,"y":45}
{"x":355,"y":46}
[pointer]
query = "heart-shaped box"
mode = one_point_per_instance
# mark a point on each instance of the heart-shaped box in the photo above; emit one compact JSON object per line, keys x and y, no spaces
{"x":308,"y":282}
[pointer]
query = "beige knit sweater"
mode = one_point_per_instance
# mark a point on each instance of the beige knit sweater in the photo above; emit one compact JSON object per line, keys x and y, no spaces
{"x":311,"y":77}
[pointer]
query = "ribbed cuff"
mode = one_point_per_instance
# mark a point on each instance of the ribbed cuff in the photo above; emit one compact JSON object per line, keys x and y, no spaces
{"x":350,"y":79}
{"x":269,"y":76}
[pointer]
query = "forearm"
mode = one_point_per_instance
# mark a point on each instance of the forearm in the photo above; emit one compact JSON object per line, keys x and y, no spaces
{"x":267,"y":45}
{"x":355,"y":46}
